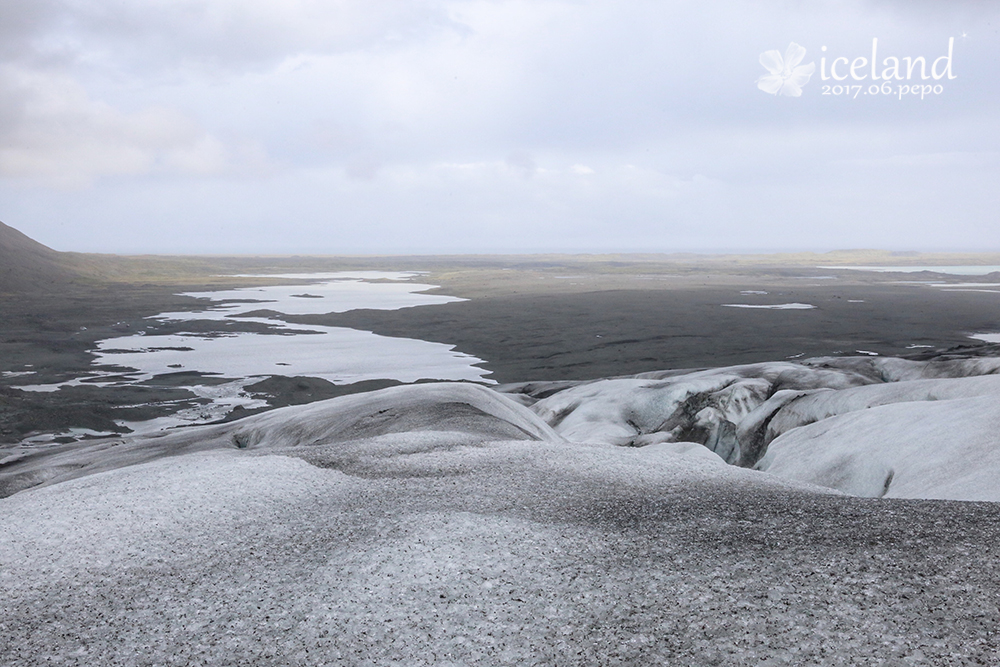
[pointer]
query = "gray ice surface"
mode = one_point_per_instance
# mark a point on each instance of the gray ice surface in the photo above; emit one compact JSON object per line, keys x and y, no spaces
{"x":449,"y":524}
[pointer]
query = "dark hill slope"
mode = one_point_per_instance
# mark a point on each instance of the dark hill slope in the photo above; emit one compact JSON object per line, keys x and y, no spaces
{"x":29,"y":268}
{"x":27,"y":265}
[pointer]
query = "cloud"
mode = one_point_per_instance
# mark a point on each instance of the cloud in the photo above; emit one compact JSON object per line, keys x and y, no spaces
{"x":53,"y":132}
{"x":473,"y":124}
{"x":142,"y":34}
{"x":953,"y":160}
{"x":23,"y":21}
{"x":54,"y":53}
{"x":522,"y":162}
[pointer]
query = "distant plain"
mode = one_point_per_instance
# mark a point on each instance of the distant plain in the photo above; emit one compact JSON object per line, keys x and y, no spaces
{"x":532,"y":317}
{"x":293,"y":536}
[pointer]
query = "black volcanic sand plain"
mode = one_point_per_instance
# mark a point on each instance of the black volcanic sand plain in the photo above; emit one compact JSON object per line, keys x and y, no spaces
{"x":529,"y":318}
{"x":582,"y":335}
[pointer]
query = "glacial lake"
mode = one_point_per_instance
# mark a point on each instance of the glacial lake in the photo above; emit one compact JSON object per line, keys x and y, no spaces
{"x":337,"y":354}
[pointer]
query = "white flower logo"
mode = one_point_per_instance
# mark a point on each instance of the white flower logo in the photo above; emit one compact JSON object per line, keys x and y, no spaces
{"x":786,"y":75}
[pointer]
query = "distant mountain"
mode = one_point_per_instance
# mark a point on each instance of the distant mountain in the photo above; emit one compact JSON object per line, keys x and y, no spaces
{"x":27,"y":265}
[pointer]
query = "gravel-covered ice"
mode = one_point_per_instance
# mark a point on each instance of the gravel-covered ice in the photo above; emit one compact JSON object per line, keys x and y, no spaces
{"x":439,"y":552}
{"x":448,"y":524}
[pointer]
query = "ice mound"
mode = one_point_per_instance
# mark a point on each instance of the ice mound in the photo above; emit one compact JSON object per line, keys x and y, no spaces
{"x":706,"y":406}
{"x":820,"y":405}
{"x":733,"y":414}
{"x":741,"y":413}
{"x":468,"y":409}
{"x":455,"y":412}
{"x":931,"y":446}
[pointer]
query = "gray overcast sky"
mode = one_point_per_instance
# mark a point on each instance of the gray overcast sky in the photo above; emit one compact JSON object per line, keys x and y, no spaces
{"x":319,"y":126}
